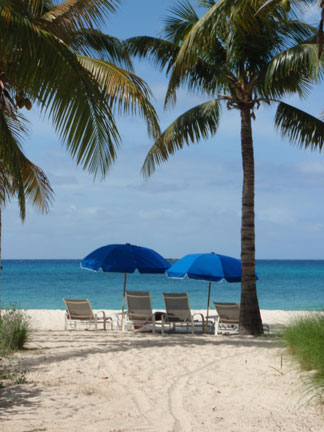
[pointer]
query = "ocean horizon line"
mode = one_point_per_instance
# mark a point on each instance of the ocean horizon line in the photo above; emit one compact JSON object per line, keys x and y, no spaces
{"x":168,"y":258}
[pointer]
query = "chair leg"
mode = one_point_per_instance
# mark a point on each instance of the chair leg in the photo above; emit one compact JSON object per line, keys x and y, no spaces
{"x":216,"y":325}
{"x":162,"y":326}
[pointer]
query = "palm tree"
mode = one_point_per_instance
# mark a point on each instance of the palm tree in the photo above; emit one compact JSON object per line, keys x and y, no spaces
{"x":48,"y":56}
{"x":242,"y":59}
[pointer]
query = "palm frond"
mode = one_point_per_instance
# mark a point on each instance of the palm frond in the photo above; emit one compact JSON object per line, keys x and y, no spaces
{"x":6,"y":187}
{"x":226,"y":12}
{"x":193,"y":68}
{"x":124,"y":90}
{"x":292,"y":71}
{"x":75,"y":14}
{"x":36,"y":7}
{"x":296,"y":32}
{"x":299,"y":4}
{"x":178,"y":25}
{"x":195,"y":124}
{"x":294,"y":83}
{"x":302,"y":57}
{"x":161,"y":52}
{"x":203,"y":29}
{"x":37,"y":187}
{"x":300,"y":127}
{"x":65,"y":91}
{"x":19,"y":176}
{"x":206,"y":3}
{"x":91,"y":42}
{"x":11,"y":131}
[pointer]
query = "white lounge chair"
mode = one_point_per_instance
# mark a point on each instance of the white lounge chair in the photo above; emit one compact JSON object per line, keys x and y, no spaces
{"x":79,"y":311}
{"x":229,"y":318}
{"x":139,"y":310}
{"x":178,"y":312}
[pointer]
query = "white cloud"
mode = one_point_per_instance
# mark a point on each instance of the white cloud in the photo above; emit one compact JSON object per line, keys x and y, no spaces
{"x":160,"y":214}
{"x":311,"y":167}
{"x":275,"y":215}
{"x":317,"y":227}
{"x":92,"y":211}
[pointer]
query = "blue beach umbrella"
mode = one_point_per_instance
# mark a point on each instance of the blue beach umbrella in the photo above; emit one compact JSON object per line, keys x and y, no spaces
{"x":125,"y":258}
{"x":210,"y":267}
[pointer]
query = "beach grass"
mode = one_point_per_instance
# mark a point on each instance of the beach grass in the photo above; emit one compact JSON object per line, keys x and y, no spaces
{"x":304,"y":336}
{"x":15,"y":329}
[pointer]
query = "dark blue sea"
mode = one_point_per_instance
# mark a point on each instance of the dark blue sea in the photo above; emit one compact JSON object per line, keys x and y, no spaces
{"x":42,"y":284}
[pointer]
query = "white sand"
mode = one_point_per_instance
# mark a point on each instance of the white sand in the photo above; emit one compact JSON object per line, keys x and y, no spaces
{"x":87,"y":381}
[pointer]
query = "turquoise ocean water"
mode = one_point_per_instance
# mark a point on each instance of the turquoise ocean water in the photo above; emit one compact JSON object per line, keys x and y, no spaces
{"x":42,"y":284}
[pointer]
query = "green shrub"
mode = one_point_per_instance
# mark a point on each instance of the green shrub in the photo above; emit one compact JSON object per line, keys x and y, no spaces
{"x":14,"y":330}
{"x":305,"y":338}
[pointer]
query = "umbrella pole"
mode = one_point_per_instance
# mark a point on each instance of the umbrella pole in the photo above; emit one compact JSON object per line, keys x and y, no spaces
{"x":123,"y":307}
{"x":206,"y":326}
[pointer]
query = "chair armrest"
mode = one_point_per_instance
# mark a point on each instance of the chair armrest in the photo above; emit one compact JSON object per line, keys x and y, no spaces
{"x":103,"y":314}
{"x":105,"y":319}
{"x":201,"y":315}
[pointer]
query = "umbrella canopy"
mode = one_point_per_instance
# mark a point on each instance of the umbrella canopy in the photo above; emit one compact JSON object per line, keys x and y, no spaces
{"x":125,"y":258}
{"x":210,"y":267}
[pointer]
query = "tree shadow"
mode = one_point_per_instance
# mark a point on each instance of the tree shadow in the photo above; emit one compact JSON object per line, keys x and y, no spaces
{"x":83,"y":344}
{"x":16,"y":396}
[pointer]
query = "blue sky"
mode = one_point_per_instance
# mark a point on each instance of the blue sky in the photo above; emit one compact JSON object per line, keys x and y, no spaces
{"x":193,"y":202}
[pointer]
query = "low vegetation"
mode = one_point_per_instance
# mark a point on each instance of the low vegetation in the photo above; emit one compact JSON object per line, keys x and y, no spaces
{"x":14,"y":332}
{"x":304,"y":336}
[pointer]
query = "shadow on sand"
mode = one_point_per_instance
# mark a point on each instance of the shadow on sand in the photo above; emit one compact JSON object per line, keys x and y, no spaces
{"x":80,"y":344}
{"x":57,"y":346}
{"x":16,"y":396}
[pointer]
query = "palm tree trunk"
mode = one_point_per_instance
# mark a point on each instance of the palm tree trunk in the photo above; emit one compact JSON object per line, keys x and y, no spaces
{"x":0,"y":259}
{"x":250,"y":317}
{"x":320,"y":29}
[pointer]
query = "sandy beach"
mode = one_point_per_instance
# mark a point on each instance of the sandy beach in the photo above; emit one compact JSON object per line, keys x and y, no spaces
{"x":87,"y":381}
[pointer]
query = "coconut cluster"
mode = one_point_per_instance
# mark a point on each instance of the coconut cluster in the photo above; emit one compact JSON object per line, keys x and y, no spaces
{"x":22,"y":101}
